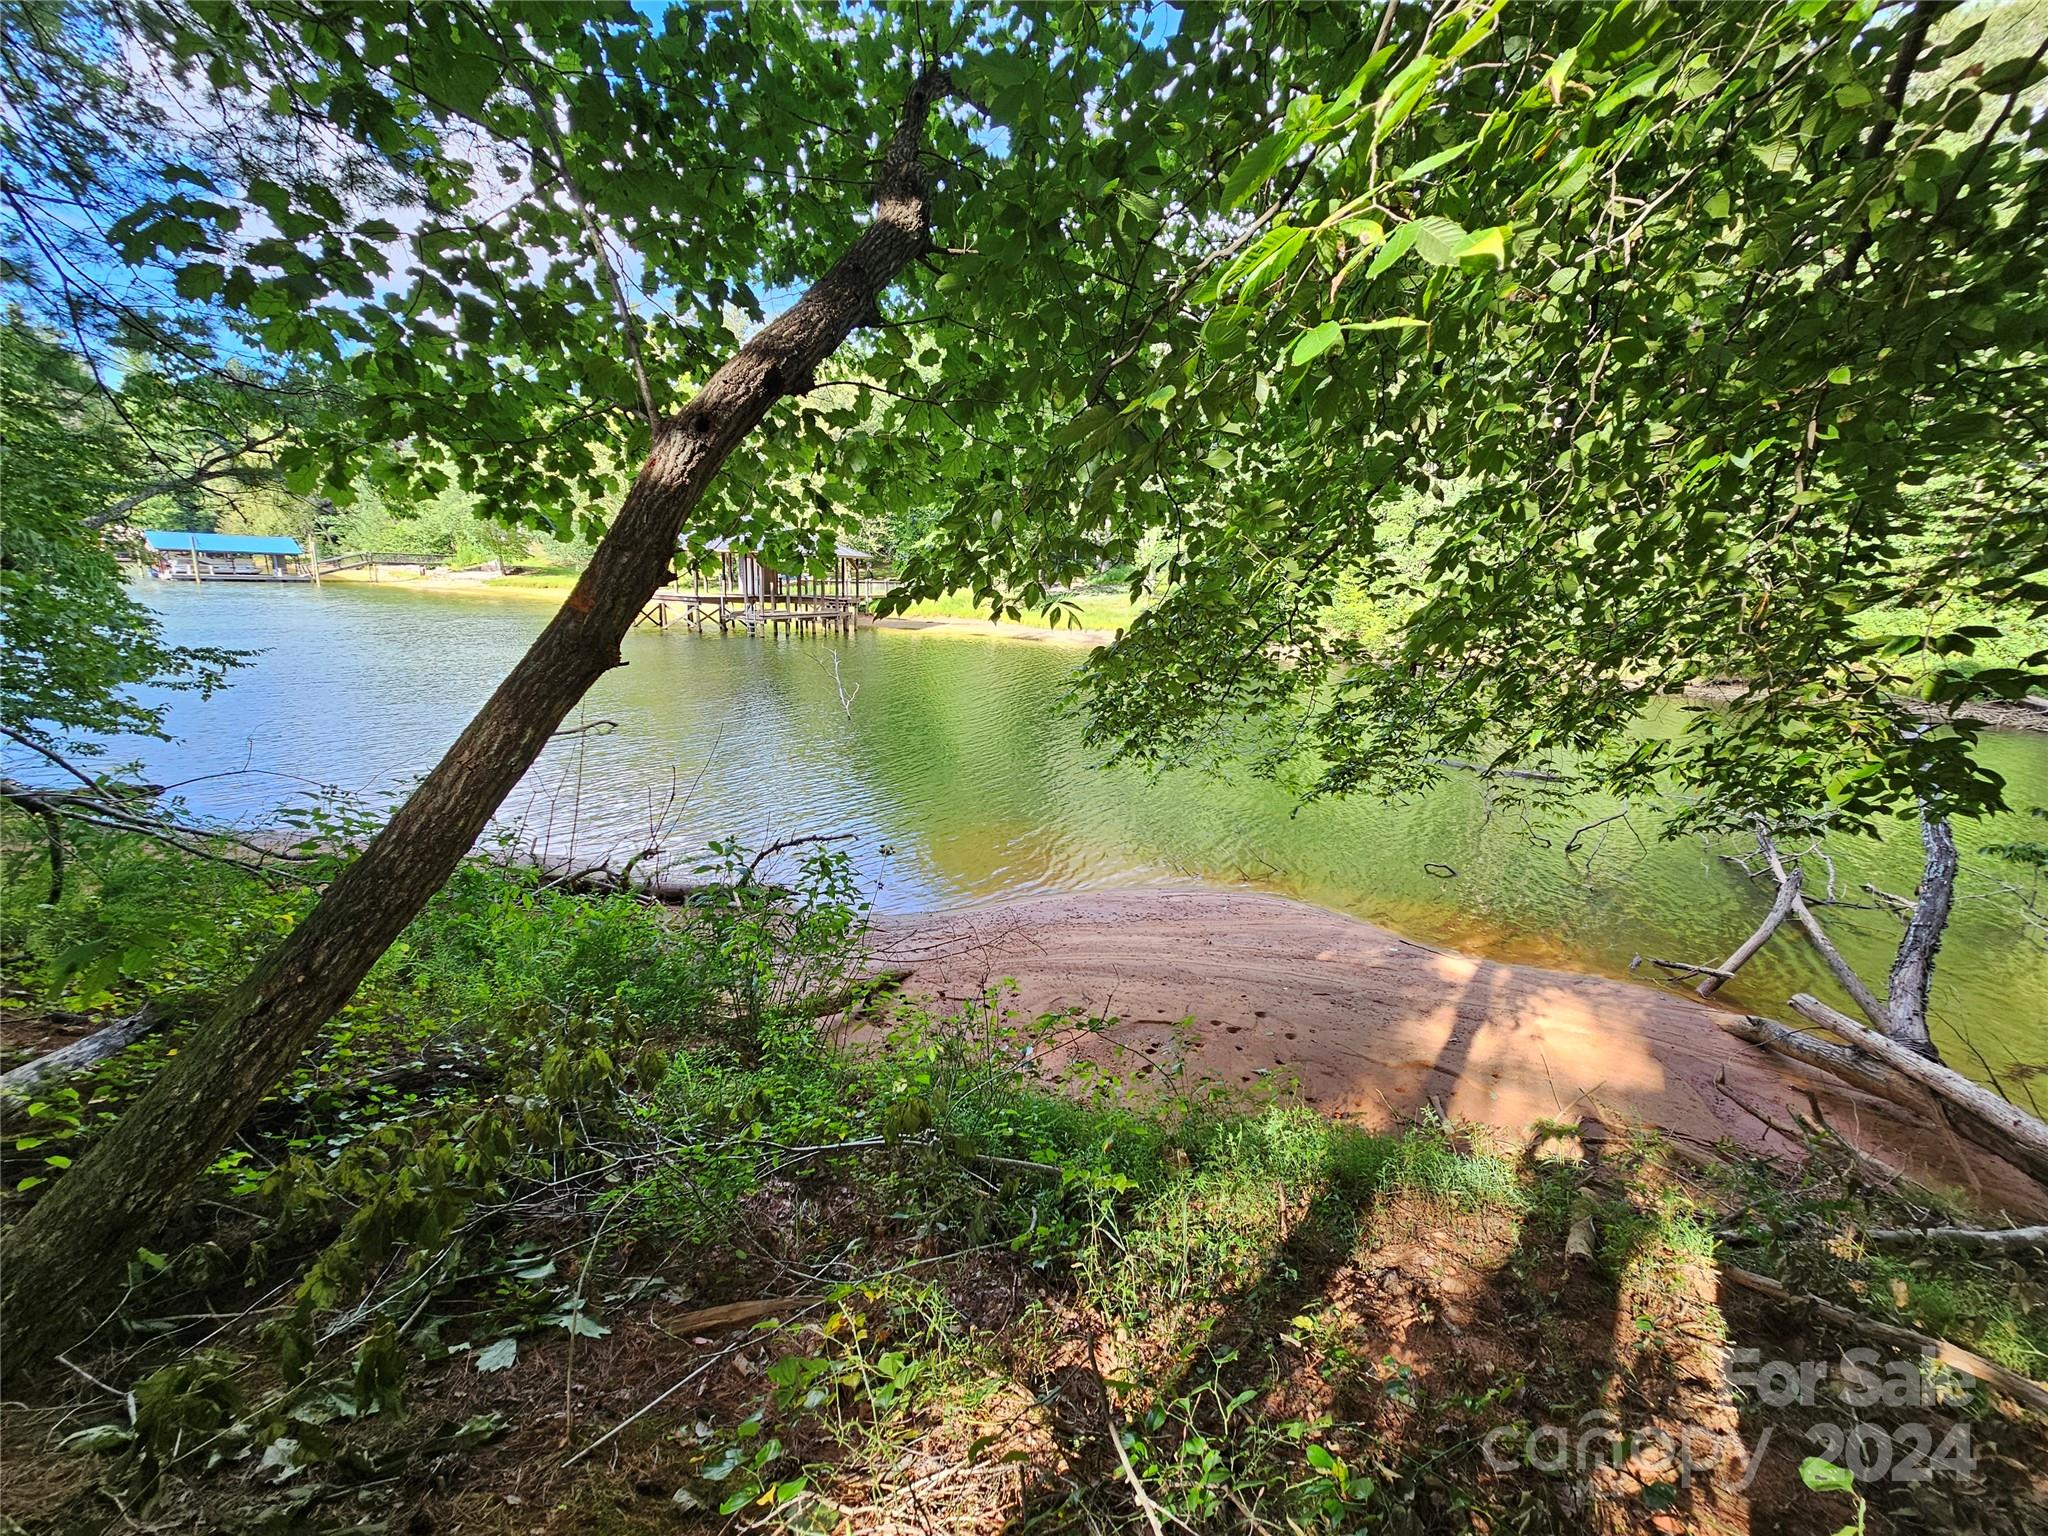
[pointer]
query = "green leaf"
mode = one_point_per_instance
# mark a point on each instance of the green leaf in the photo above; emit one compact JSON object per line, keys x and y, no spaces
{"x":501,"y":1355}
{"x":200,"y":280}
{"x":1224,"y":331}
{"x":1438,"y":240}
{"x":1396,"y":247}
{"x":1314,"y":342}
{"x":2009,"y":76}
{"x":1435,"y":162}
{"x":1274,"y":255}
{"x":1823,"y":1476}
{"x":1486,"y":247}
{"x":1259,"y":166}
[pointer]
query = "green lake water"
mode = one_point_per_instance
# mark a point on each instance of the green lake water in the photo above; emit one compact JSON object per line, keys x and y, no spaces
{"x":961,"y":782}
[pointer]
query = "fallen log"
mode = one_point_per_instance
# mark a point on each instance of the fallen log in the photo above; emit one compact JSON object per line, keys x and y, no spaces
{"x":823,"y":1004}
{"x":1977,"y":1239}
{"x":602,"y":880}
{"x":2015,"y":1386}
{"x":1836,"y":1060}
{"x":2013,"y":1133}
{"x":52,"y":1068}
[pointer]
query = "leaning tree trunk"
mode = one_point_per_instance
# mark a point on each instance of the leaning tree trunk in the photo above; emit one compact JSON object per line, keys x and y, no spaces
{"x":56,"y":1259}
{"x":1913,"y":970}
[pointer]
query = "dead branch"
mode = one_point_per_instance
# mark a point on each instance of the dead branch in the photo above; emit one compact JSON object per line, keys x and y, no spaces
{"x":1572,"y":843}
{"x":1996,"y":1123}
{"x":1686,"y":968}
{"x":1789,"y":883}
{"x":1979,"y":1239}
{"x":1850,"y":981}
{"x":1493,"y":771}
{"x":46,"y":1071}
{"x":1954,"y":1356}
{"x":1146,"y":1506}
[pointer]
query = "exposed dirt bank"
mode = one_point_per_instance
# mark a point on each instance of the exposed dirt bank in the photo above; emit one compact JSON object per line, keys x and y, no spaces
{"x":1368,"y":1026}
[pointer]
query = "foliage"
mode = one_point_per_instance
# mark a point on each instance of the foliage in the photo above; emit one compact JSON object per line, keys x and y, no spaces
{"x":547,"y":1123}
{"x":1690,"y":335}
{"x":1679,"y":342}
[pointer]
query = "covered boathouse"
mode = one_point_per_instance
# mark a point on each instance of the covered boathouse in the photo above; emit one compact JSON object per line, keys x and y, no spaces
{"x":751,"y":594}
{"x":204,"y":557}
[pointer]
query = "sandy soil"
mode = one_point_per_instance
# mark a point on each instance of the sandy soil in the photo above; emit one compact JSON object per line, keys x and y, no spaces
{"x":988,"y":629}
{"x":1369,"y":1026}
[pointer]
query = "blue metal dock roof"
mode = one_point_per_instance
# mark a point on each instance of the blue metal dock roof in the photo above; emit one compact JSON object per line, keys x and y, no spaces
{"x":220,"y":543}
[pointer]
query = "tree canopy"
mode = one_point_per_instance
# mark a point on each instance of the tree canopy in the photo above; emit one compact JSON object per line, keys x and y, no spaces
{"x":1613,"y":349}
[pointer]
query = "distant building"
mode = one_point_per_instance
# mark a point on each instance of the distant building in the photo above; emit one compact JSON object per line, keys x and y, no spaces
{"x":205,"y":557}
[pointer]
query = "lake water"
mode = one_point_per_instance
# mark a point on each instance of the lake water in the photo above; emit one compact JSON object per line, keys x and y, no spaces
{"x":961,"y":782}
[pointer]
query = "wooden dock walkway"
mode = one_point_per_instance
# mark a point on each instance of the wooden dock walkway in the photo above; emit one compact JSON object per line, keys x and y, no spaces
{"x":783,"y":614}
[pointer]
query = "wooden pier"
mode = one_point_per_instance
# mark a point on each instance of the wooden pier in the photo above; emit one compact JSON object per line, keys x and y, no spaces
{"x":754,"y":597}
{"x":730,"y":611}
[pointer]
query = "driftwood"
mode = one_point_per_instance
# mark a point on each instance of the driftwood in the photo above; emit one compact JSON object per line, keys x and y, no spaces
{"x":1803,"y":915}
{"x":1913,"y":969}
{"x":2006,"y":1128}
{"x":1980,"y":1239}
{"x":33,"y":1077}
{"x":1954,"y":1356}
{"x":1714,"y":973}
{"x":1838,"y":1060}
{"x":1788,"y":894}
{"x":603,"y":880}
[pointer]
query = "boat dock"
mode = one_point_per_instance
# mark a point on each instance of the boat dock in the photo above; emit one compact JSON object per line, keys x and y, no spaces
{"x":753,"y":596}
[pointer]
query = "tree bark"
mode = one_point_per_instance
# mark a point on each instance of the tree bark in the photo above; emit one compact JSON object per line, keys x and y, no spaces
{"x":1836,"y":1060}
{"x":58,"y":1256}
{"x":1913,"y":969}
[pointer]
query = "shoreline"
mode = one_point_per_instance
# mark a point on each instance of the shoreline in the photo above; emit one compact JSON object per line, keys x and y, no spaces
{"x":988,"y":629}
{"x":1257,"y":994}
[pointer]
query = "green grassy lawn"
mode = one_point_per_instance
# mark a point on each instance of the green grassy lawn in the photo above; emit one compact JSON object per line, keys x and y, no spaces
{"x":1090,"y":608}
{"x":552,"y":578}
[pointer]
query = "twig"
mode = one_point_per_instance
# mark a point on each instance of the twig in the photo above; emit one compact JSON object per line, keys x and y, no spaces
{"x":1146,"y":1506}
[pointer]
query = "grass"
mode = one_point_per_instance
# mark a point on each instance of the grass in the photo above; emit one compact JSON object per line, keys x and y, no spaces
{"x":1094,"y":608}
{"x":547,"y":578}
